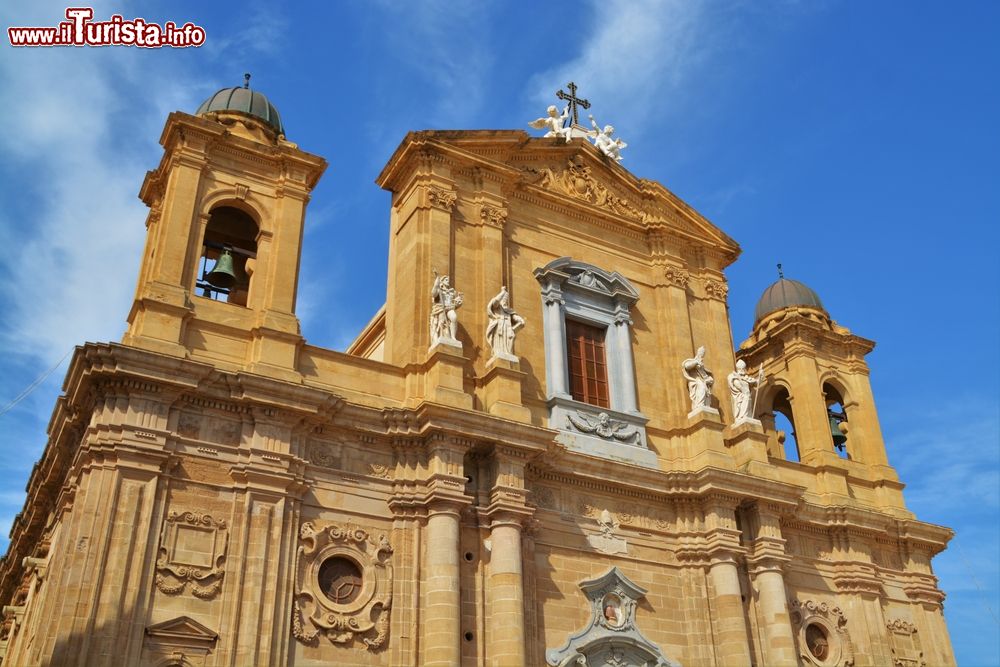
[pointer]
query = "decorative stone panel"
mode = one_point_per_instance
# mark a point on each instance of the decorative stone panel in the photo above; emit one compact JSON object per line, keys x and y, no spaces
{"x":192,"y":553}
{"x":905,"y":644}
{"x":343,"y":587}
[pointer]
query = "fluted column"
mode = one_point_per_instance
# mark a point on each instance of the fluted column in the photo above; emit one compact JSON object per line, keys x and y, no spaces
{"x":442,"y":620}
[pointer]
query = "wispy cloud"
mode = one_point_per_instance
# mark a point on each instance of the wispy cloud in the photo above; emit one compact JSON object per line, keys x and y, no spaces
{"x":638,"y":51}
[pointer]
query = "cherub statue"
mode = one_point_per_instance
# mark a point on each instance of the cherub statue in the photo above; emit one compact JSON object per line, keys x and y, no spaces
{"x":555,"y":123}
{"x":602,"y":139}
{"x":699,"y":379}
{"x":503,"y":325}
{"x":445,"y":300}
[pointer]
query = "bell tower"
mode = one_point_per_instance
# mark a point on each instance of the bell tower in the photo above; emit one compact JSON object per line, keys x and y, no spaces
{"x":219,"y":272}
{"x":818,"y":380}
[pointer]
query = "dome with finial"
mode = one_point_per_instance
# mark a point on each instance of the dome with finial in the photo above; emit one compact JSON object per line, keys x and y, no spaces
{"x":243,"y":100}
{"x":786,"y":293}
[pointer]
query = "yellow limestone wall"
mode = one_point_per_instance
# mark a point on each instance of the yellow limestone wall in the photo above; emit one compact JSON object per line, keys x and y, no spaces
{"x":216,"y":435}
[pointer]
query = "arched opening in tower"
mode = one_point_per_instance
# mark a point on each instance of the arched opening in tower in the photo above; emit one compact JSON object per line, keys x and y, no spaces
{"x":229,"y":252}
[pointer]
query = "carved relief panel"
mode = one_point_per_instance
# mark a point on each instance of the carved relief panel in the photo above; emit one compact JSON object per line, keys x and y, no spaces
{"x":192,"y":553}
{"x":343,"y":587}
{"x":905,"y":644}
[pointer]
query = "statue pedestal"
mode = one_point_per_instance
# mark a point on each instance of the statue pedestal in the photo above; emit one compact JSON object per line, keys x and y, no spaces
{"x":502,"y":383}
{"x":748,"y":443}
{"x":445,"y":375}
{"x":703,"y":410}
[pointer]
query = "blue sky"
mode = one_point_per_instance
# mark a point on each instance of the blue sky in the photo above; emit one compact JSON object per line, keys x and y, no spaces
{"x":855,"y":142}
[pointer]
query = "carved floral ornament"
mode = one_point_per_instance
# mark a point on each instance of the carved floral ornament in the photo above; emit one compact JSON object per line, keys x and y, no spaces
{"x":343,"y":587}
{"x":716,"y":289}
{"x":441,"y":198}
{"x":493,"y":215}
{"x":192,"y":553}
{"x":821,"y":634}
{"x":677,"y":276}
{"x":577,"y":181}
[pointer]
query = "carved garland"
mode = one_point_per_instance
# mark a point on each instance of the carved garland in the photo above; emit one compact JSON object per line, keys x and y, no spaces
{"x":315,"y":613}
{"x":443,"y":199}
{"x":493,"y":215}
{"x":716,"y":290}
{"x":192,"y":552}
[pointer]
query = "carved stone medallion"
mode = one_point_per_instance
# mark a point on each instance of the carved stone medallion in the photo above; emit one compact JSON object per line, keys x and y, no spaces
{"x":343,"y":587}
{"x":821,"y":633}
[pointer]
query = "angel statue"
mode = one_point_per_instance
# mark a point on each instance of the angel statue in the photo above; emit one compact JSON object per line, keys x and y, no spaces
{"x":445,"y":300}
{"x":504,"y":324}
{"x":699,"y":379}
{"x":555,"y":123}
{"x":602,"y":139}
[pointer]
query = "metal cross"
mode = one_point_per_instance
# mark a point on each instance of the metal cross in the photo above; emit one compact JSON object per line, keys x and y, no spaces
{"x":573,"y":101}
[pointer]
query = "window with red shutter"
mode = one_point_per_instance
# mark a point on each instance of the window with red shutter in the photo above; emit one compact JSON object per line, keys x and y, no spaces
{"x":588,"y":369}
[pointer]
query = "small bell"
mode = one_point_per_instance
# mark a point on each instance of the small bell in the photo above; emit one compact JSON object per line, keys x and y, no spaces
{"x":838,"y":435}
{"x":222,"y":274}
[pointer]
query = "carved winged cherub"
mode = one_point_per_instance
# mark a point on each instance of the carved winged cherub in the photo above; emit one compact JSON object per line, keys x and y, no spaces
{"x":555,"y":123}
{"x":602,"y":139}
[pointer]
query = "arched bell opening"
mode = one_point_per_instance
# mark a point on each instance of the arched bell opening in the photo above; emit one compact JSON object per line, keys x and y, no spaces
{"x":228,"y":256}
{"x":837,"y":416}
{"x":780,"y":421}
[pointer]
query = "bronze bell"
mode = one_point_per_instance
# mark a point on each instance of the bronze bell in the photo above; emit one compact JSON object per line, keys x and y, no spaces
{"x":838,"y":436}
{"x":222,"y":274}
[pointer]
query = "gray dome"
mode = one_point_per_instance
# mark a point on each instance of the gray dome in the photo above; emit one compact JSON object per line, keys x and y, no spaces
{"x":246,"y":101}
{"x":783,"y":294}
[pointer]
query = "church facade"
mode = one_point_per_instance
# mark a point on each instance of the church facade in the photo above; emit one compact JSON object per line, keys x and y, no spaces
{"x":541,"y":451}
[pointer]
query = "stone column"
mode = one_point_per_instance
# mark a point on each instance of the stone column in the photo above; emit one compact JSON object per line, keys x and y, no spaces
{"x":505,"y":591}
{"x":731,"y":644}
{"x":442,"y":618}
{"x":779,"y":648}
{"x":625,"y":366}
{"x":556,"y":378}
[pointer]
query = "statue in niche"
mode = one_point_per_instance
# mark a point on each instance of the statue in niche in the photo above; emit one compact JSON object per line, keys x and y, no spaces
{"x":503,"y":325}
{"x":612,"y":610}
{"x":555,"y":123}
{"x":602,"y":139}
{"x":445,"y":301}
{"x":699,"y":379}
{"x":739,"y":386}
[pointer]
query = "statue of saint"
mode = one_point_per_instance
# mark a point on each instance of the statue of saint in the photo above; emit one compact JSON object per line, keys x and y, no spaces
{"x":699,"y":379}
{"x":445,"y":300}
{"x":554,"y":122}
{"x":503,"y":324}
{"x":602,"y":139}
{"x":739,"y":385}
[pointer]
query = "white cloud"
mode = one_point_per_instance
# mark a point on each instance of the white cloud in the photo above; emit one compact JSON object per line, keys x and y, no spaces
{"x":638,"y":54}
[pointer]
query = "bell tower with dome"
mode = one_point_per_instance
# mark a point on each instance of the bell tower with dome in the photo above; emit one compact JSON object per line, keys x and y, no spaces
{"x":227,"y":209}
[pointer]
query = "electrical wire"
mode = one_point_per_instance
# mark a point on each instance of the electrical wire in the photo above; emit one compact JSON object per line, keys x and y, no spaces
{"x":34,"y":385}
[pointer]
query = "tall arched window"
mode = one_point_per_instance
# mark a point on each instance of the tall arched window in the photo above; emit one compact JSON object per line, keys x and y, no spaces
{"x":229,"y":251}
{"x":784,"y":425}
{"x":837,"y":415}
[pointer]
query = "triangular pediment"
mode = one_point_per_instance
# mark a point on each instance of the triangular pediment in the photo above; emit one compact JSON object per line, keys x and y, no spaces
{"x":575,"y":175}
{"x":182,"y":627}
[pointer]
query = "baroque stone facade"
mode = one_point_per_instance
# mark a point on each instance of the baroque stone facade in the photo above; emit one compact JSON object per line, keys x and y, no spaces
{"x":216,"y":491}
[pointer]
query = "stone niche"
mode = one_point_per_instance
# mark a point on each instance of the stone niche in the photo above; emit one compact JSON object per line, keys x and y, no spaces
{"x":343,"y":588}
{"x":611,"y":637}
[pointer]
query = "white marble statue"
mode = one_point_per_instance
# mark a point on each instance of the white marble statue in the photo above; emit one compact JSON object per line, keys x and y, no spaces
{"x":503,"y":325}
{"x":700,"y":381}
{"x":602,"y":139}
{"x":445,"y":300}
{"x":555,"y":123}
{"x":739,"y":386}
